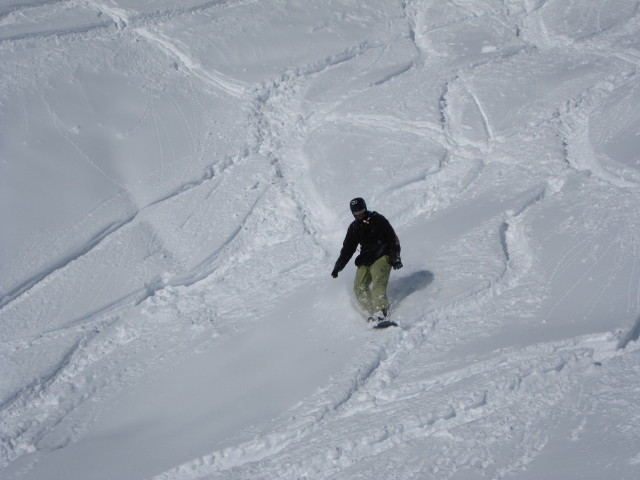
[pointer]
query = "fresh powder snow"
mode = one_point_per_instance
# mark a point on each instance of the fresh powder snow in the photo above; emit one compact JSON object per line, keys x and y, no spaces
{"x":175,"y":179}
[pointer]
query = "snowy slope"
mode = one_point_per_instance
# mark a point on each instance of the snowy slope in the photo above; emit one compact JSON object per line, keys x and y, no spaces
{"x":174,"y":182}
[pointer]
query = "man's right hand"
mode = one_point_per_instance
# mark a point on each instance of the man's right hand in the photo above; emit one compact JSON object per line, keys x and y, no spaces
{"x":334,"y":273}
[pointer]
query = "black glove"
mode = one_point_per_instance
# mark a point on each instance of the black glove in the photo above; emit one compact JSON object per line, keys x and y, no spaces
{"x":334,"y":273}
{"x":396,"y":263}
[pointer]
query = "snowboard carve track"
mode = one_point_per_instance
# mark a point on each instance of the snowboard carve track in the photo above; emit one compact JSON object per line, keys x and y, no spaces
{"x":361,"y":396}
{"x":439,"y":404}
{"x":104,"y":235}
{"x":216,"y":80}
{"x":120,"y":18}
{"x":376,"y":371}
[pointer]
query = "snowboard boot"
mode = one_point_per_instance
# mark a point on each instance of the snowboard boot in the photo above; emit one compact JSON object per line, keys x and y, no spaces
{"x":378,"y":317}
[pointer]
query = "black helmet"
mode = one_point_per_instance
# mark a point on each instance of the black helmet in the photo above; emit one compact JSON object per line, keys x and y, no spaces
{"x":358,"y":206}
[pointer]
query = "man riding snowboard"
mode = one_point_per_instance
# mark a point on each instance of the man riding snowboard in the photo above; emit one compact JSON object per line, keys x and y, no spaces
{"x":379,"y":252}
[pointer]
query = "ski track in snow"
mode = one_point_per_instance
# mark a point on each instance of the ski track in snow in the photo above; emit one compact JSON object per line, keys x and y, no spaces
{"x":394,"y":383}
{"x":119,"y":18}
{"x":122,"y":18}
{"x":366,"y":392}
{"x":46,"y":387}
{"x":324,"y":441}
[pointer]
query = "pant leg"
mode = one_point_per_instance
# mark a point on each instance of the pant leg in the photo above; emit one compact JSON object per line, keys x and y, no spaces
{"x":361,"y":287}
{"x":380,"y":272}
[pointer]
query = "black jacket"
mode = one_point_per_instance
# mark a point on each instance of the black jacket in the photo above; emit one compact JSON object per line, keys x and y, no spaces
{"x":376,"y":238}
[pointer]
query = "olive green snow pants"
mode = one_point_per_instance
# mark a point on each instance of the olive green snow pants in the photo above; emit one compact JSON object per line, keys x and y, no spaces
{"x":370,"y":285}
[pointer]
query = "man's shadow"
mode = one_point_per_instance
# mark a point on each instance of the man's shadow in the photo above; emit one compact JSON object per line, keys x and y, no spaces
{"x":405,"y":286}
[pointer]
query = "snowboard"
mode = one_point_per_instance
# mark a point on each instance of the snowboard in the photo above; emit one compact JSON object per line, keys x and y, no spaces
{"x":385,"y":324}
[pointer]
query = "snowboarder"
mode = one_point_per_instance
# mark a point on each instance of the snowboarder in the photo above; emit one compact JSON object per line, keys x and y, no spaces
{"x":379,"y":253}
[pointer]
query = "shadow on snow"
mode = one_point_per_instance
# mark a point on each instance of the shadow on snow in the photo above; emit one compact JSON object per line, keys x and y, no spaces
{"x":403,"y":287}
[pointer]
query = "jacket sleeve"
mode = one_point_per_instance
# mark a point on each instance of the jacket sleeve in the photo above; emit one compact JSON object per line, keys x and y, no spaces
{"x":394,"y":250}
{"x":391,"y":239}
{"x":349,"y":247}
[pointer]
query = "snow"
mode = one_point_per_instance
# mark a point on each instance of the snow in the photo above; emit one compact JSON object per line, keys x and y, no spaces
{"x":174,"y":189}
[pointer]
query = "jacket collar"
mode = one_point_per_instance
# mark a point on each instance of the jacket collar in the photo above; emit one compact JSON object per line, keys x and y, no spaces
{"x":365,"y":219}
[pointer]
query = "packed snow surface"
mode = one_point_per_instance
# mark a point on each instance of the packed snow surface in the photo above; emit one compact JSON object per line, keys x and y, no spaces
{"x":174,"y":187}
